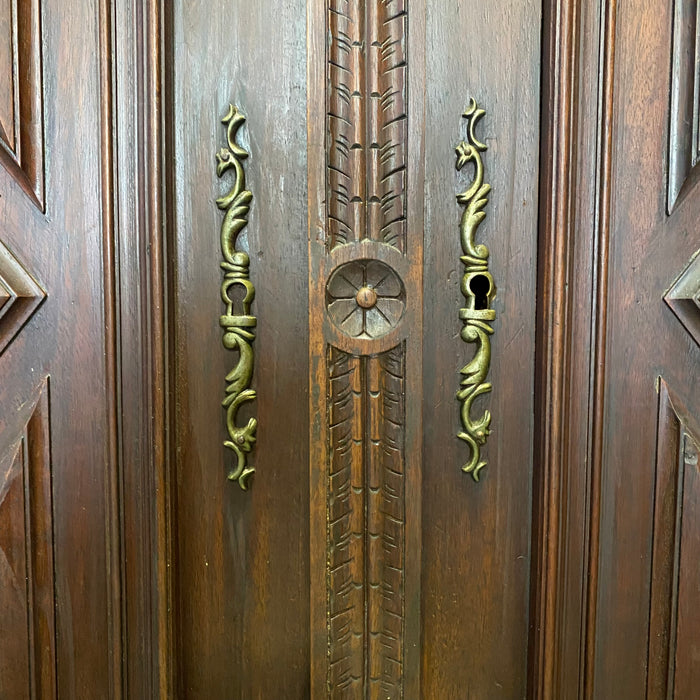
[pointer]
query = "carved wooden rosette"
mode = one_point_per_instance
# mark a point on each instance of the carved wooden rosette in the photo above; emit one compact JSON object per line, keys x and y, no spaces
{"x":478,"y":290}
{"x":365,"y":290}
{"x":239,"y":332}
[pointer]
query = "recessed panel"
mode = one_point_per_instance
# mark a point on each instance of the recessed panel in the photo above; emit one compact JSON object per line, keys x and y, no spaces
{"x":684,"y":138}
{"x":27,"y":649}
{"x":675,"y":599}
{"x":7,"y":81}
{"x":21,"y":95}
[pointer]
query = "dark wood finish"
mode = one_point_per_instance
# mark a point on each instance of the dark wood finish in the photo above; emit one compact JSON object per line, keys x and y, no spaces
{"x":57,"y":384}
{"x":27,"y":647}
{"x":136,"y":132}
{"x":476,"y":537}
{"x":21,"y":110}
{"x":362,"y":562}
{"x":241,"y":559}
{"x":648,"y":251}
{"x":572,"y":271}
{"x":684,"y":119}
{"x":361,"y":157}
{"x":674,"y":590}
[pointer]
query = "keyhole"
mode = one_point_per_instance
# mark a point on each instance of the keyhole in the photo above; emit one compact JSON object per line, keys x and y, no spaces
{"x":480,"y":286}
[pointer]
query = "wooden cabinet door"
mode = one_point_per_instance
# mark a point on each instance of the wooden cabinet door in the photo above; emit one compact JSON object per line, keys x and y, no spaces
{"x":361,"y":561}
{"x":648,"y":485}
{"x":457,"y":349}
{"x":617,"y":477}
{"x":59,"y":535}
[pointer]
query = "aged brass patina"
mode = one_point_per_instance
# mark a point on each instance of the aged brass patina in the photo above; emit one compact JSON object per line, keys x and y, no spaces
{"x":239,"y":332}
{"x":478,"y":290}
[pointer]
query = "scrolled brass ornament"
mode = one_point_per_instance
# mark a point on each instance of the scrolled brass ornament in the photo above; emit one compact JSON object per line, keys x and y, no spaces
{"x":239,"y":328}
{"x":478,"y":289}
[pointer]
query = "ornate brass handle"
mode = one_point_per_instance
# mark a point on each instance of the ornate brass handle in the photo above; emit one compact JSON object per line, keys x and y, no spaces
{"x":239,"y":332}
{"x":478,"y":290}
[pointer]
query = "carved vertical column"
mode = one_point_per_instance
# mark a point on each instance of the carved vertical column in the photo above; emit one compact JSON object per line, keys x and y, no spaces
{"x":365,"y":278}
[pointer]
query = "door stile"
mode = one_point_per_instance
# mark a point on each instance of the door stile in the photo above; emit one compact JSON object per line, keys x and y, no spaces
{"x":364,"y":156}
{"x":571,"y":342}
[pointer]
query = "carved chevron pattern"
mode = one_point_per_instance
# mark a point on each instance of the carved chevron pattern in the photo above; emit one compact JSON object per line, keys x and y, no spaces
{"x":367,"y":126}
{"x":366,"y":524}
{"x":684,"y":297}
{"x":20,"y":296}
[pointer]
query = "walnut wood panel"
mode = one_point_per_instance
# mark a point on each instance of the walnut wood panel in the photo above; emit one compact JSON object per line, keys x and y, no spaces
{"x":66,"y":253}
{"x":675,"y":597}
{"x":21,"y":104}
{"x":134,"y":40}
{"x":644,"y":251}
{"x":240,"y":560}
{"x":476,"y":537}
{"x":27,"y":645}
{"x":684,"y":118}
{"x":366,"y":524}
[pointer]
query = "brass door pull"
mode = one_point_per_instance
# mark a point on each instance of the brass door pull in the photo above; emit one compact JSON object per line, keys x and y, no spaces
{"x":478,"y":289}
{"x":239,"y":332}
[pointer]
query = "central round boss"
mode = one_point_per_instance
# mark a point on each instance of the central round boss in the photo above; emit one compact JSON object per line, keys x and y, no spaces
{"x":365,"y":298}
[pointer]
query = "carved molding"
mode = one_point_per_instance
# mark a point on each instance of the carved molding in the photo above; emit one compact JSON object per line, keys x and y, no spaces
{"x":27,"y":660}
{"x":21,"y":112}
{"x":20,"y":297}
{"x":364,"y":289}
{"x":684,"y":297}
{"x":684,"y":134}
{"x":675,"y":552}
{"x":367,"y":123}
{"x":366,"y":524}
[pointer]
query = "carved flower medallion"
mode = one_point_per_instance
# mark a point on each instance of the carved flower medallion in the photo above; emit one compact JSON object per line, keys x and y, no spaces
{"x":365,"y":298}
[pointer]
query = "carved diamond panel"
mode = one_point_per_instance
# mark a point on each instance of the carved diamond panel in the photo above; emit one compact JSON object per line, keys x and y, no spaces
{"x":684,"y":132}
{"x":684,"y":298}
{"x":20,"y":297}
{"x":675,"y":594}
{"x":27,"y":647}
{"x":21,"y":95}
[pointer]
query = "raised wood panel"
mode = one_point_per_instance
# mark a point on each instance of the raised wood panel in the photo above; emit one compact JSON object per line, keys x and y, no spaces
{"x":240,"y":559}
{"x":684,"y":298}
{"x":21,"y":95}
{"x":675,"y":591}
{"x":27,"y":652}
{"x":684,"y":121}
{"x":7,"y":74}
{"x":20,"y":296}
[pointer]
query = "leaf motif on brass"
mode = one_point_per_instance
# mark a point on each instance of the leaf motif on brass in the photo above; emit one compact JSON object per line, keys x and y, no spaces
{"x":237,"y":323}
{"x":478,"y":289}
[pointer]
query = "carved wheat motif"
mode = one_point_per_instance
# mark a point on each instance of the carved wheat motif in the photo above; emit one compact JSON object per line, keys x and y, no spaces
{"x":367,"y":126}
{"x":366,"y":523}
